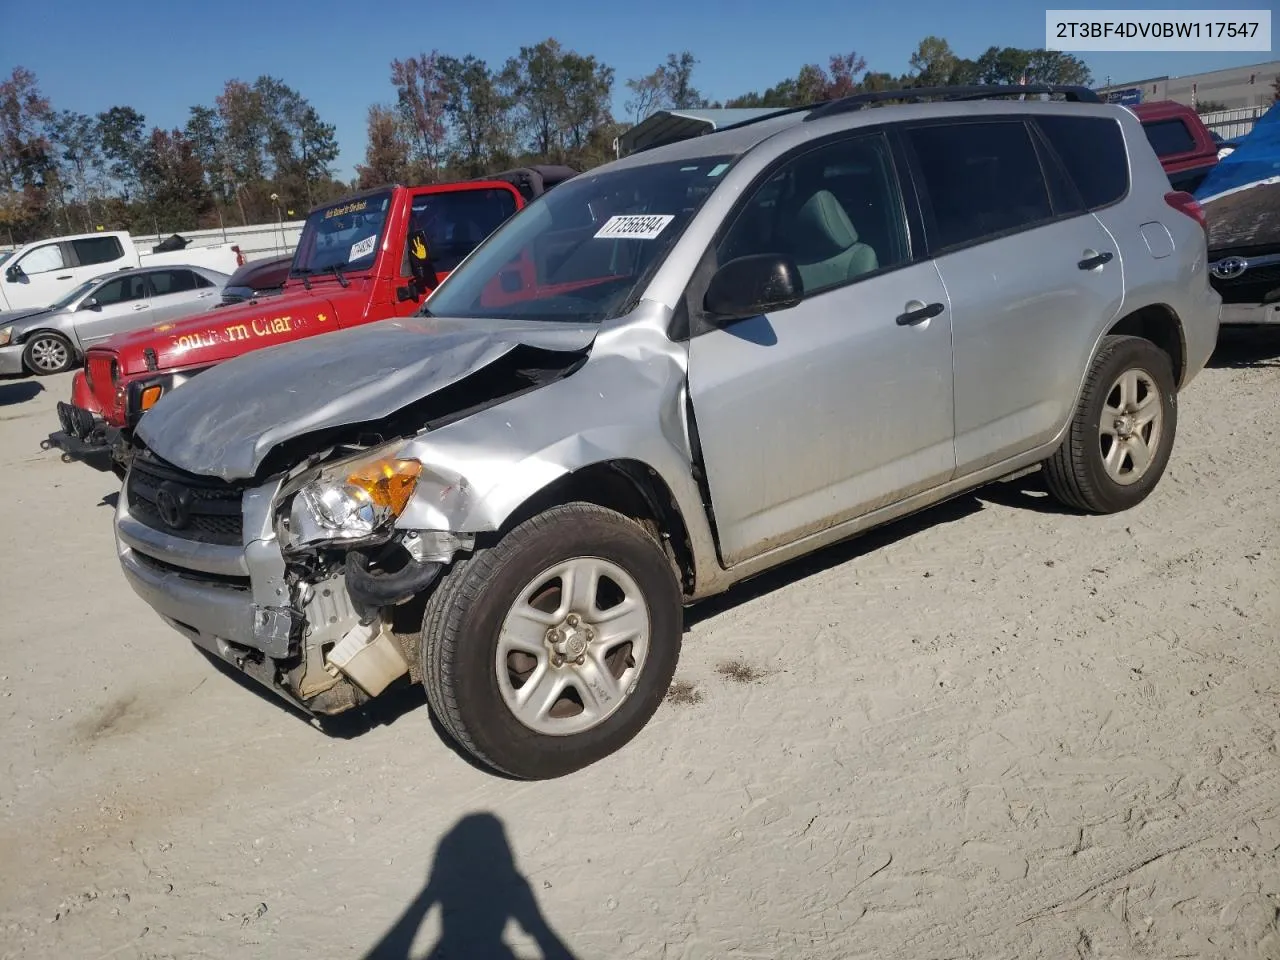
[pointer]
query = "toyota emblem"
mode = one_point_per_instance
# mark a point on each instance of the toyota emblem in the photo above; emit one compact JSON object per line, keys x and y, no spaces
{"x":173,"y":503}
{"x":1229,"y":268}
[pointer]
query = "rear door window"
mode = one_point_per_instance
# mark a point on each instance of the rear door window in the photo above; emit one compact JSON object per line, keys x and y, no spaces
{"x":172,"y":281}
{"x":983,"y":180}
{"x":94,"y":250}
{"x":1169,"y":137}
{"x":1093,"y":152}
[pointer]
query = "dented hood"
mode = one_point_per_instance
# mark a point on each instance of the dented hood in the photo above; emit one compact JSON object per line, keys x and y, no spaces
{"x":225,"y":421}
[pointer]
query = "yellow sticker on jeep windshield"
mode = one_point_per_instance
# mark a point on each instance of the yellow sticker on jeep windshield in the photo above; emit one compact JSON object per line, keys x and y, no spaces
{"x":355,"y":206}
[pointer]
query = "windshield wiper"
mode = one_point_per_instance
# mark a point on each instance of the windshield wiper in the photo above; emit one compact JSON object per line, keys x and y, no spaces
{"x":305,"y":275}
{"x":336,"y":270}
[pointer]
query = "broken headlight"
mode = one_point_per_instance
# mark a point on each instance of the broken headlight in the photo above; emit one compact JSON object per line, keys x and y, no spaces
{"x":352,"y":501}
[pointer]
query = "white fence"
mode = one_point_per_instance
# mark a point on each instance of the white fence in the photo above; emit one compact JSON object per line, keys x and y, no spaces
{"x":256,"y":241}
{"x":1229,"y":124}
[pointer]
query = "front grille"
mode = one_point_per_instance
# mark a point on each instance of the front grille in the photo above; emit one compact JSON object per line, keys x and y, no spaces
{"x":186,"y":505}
{"x":1252,"y":286}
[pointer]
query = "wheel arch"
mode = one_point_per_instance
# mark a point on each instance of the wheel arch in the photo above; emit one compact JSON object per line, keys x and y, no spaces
{"x":1159,"y":323}
{"x":630,"y":487}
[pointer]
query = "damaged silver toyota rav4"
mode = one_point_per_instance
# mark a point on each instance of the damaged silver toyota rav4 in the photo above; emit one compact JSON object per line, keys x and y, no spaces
{"x":669,"y":374}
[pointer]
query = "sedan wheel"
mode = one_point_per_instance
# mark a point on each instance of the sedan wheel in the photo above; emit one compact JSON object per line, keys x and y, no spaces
{"x":48,"y":353}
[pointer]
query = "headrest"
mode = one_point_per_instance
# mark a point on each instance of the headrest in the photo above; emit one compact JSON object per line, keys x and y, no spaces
{"x":822,"y":228}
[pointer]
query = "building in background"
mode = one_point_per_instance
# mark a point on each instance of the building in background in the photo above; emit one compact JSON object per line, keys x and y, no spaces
{"x":1235,"y":88}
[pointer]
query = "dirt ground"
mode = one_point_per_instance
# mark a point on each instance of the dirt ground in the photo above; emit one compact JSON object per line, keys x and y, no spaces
{"x":994,"y":730}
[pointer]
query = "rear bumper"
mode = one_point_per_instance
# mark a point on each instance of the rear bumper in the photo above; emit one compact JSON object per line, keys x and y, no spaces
{"x":1250,"y":314}
{"x":88,"y":439}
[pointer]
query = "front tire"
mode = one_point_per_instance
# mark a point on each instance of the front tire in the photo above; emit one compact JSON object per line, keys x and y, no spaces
{"x":553,"y":648}
{"x":1121,"y":436}
{"x":48,"y":353}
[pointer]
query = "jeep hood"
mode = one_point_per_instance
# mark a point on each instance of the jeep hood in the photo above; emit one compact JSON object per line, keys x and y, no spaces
{"x":209,"y":335}
{"x":227,"y":420}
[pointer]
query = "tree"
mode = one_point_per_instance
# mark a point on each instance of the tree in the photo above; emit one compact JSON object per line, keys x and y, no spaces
{"x":122,"y":131}
{"x":386,"y":158}
{"x":1210,"y":106}
{"x":25,"y":151}
{"x":1054,"y":66}
{"x":933,"y":62}
{"x":479,"y":113}
{"x":78,"y":146}
{"x":587,"y":91}
{"x":173,"y":179}
{"x":646,"y":95}
{"x":840,"y":79}
{"x":422,"y":100}
{"x":535,"y":78}
{"x":677,"y":82}
{"x":812,"y":84}
{"x":206,"y":134}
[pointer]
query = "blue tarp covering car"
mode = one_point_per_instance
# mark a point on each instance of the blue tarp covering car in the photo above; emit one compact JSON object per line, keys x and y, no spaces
{"x":1241,"y":194}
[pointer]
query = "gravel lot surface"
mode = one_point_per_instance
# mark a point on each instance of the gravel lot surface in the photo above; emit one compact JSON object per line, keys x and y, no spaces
{"x":992,"y":730}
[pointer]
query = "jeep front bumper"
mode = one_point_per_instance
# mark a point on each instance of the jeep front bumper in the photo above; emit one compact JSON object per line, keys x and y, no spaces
{"x":88,"y":439}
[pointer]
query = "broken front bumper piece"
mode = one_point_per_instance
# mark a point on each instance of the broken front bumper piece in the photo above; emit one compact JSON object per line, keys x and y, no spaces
{"x":319,"y":644}
{"x":87,"y":439}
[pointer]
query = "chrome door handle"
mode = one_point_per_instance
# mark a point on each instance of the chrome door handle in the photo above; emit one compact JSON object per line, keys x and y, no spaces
{"x":1092,"y":260}
{"x":918,"y":312}
{"x":141,"y":306}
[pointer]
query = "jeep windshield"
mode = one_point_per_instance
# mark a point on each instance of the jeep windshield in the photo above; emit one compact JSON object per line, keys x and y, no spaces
{"x":342,"y":236}
{"x":583,"y":252}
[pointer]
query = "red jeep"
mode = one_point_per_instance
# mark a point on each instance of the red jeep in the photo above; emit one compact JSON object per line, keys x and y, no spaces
{"x":1186,"y":149}
{"x":367,"y":257}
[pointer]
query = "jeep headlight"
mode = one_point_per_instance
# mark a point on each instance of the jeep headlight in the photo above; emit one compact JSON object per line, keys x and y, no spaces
{"x":352,"y":501}
{"x":5,"y":336}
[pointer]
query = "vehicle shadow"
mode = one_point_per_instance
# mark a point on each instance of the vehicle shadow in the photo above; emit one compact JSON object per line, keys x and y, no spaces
{"x":833,"y":556}
{"x":111,"y":500}
{"x":1244,"y":347}
{"x":19,"y":391}
{"x":475,"y":882}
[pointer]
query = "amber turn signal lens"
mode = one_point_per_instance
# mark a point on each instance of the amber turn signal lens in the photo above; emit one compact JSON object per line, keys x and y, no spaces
{"x":389,"y":483}
{"x":150,"y":395}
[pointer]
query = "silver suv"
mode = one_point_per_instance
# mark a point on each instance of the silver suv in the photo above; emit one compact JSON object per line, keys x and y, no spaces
{"x":669,"y":374}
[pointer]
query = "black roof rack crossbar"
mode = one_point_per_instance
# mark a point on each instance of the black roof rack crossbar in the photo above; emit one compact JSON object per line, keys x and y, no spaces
{"x":858,"y":101}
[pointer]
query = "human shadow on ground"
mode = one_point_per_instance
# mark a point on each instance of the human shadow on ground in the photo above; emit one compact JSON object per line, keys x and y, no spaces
{"x":19,"y":391}
{"x":1244,"y":347}
{"x":475,"y":882}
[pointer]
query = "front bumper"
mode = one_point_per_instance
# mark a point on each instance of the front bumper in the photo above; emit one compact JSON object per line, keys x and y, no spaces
{"x":11,"y":361}
{"x":1250,"y":314}
{"x":88,"y":439}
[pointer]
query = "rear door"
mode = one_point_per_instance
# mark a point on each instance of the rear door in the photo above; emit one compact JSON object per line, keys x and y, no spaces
{"x":1029,"y":273}
{"x":119,"y":305}
{"x":178,"y":292}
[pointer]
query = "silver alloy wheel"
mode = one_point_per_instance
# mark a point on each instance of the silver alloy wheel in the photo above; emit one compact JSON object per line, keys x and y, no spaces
{"x":572,"y":646}
{"x":1130,"y":429}
{"x":49,"y":354}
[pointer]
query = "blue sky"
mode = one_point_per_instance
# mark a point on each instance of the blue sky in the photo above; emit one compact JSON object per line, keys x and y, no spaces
{"x":161,"y":57}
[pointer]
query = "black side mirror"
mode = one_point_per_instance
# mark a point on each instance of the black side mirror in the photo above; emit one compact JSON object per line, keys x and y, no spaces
{"x":750,"y":286}
{"x":13,"y":273}
{"x":421,"y":268}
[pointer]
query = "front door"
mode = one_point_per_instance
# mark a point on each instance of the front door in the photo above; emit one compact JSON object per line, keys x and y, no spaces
{"x":40,"y":277}
{"x":119,"y":305}
{"x":843,"y":404}
{"x":1029,"y":273}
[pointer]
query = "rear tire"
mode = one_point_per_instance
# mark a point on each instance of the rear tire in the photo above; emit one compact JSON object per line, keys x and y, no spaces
{"x":551,"y":649}
{"x":48,"y":353}
{"x":1122,"y":433}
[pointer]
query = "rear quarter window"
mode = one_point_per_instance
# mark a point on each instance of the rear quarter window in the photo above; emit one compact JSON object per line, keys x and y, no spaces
{"x":94,"y":250}
{"x":1093,"y":151}
{"x":1169,"y":137}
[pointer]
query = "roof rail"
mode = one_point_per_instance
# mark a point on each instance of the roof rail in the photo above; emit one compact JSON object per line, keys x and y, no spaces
{"x":859,"y":101}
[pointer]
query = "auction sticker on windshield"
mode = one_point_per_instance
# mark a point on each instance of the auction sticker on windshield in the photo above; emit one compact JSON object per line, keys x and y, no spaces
{"x":362,"y":248}
{"x":634,"y":226}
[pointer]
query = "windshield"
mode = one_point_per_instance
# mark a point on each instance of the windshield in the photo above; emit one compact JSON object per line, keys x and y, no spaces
{"x":344,"y":235}
{"x":75,"y":294}
{"x":582,"y":252}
